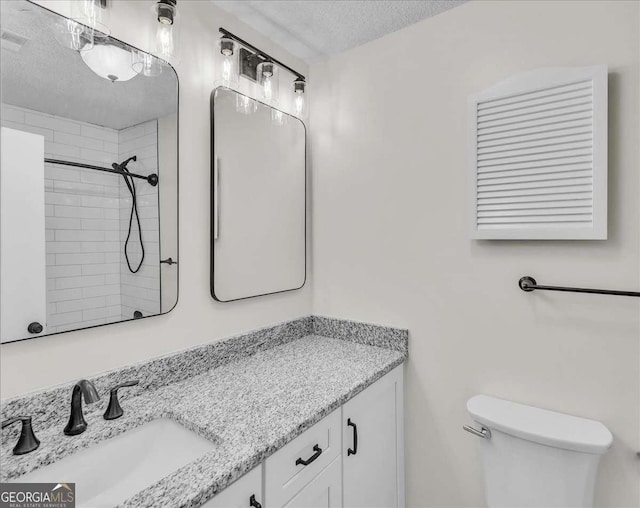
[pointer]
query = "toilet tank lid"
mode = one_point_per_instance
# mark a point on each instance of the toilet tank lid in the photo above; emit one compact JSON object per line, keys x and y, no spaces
{"x":540,"y":425}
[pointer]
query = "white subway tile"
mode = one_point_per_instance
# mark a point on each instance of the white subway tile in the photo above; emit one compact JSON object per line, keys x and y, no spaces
{"x":62,"y":247}
{"x":63,"y":271}
{"x":101,"y":246}
{"x":111,"y":257}
{"x":103,"y":312}
{"x":47,"y":134}
{"x":82,"y":212}
{"x":79,"y":141}
{"x":102,"y":268}
{"x":8,"y":114}
{"x":112,"y":299}
{"x":96,"y":156}
{"x":82,"y":281}
{"x":63,"y":235}
{"x":78,"y":188}
{"x":62,"y":223}
{"x":101,"y":201}
{"x":58,"y":295}
{"x":110,"y":147}
{"x":112,"y":236}
{"x":58,"y":150}
{"x":53,"y":123}
{"x":101,"y":133}
{"x":130,"y":133}
{"x":112,"y":278}
{"x":59,"y":198}
{"x":101,"y":178}
{"x":85,"y":258}
{"x":64,"y":318}
{"x":82,"y":304}
{"x":111,"y":213}
{"x":112,"y":289}
{"x":100,"y":224}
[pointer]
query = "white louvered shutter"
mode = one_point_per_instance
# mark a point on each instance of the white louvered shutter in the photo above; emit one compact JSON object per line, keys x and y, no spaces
{"x":538,"y":156}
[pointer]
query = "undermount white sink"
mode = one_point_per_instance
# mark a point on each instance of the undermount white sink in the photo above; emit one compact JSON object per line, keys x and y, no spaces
{"x":109,"y":472}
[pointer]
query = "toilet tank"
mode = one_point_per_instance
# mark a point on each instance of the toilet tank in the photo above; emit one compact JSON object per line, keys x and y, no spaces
{"x":537,"y":458}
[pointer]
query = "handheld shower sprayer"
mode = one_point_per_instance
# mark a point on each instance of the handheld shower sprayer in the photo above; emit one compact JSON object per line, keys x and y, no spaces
{"x":134,"y":211}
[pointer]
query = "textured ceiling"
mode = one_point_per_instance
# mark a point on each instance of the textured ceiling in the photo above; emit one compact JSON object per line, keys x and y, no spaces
{"x":45,"y":76}
{"x":316,"y":29}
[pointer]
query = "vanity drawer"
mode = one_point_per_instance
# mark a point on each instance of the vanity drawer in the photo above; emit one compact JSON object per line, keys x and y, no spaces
{"x":285,"y":471}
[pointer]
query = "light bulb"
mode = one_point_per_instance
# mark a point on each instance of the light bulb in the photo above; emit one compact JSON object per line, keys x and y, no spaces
{"x":228,"y":66}
{"x":300,"y":100}
{"x":92,"y":14}
{"x":300,"y":105}
{"x":164,"y":41}
{"x":278,"y":117}
{"x":245,"y":105}
{"x":268,"y":78}
{"x":226,"y":70}
{"x":267,"y":88}
{"x":145,"y":63}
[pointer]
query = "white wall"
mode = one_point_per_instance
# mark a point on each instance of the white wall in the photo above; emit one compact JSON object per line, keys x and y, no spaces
{"x":390,"y":239}
{"x":197,"y":319}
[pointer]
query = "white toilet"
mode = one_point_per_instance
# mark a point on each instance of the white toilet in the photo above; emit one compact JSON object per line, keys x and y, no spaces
{"x":536,"y":458}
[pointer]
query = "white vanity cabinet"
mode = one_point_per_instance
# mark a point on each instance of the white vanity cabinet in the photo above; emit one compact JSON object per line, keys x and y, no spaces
{"x":245,"y":492}
{"x":324,"y":491}
{"x":373,"y":445}
{"x":324,"y":467}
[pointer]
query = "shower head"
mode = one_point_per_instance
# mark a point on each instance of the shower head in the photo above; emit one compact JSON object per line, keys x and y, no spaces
{"x":123,"y":165}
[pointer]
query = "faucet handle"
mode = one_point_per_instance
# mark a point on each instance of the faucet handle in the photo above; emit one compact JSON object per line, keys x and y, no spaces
{"x":114,"y":410}
{"x":28,"y":440}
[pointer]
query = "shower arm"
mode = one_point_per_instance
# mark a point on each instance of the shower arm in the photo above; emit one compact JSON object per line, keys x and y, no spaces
{"x":116,"y":168}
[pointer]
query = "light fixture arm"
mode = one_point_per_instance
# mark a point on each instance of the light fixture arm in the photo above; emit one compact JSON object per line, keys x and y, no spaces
{"x":260,"y":53}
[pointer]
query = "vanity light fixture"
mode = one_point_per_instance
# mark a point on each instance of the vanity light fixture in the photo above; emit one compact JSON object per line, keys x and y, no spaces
{"x":261,"y":68}
{"x":165,"y":37}
{"x":109,"y":61}
{"x":229,"y":66}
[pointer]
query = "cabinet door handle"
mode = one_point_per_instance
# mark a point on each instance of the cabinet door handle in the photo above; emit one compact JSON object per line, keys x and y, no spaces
{"x":355,"y":438}
{"x":318,"y":452}
{"x":253,"y":502}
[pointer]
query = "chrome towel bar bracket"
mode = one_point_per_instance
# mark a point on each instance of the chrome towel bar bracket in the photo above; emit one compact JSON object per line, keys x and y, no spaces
{"x":484,"y":432}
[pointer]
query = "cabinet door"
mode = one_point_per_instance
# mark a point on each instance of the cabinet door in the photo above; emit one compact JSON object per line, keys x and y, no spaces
{"x":239,"y":493}
{"x":324,"y":491}
{"x":373,"y":454}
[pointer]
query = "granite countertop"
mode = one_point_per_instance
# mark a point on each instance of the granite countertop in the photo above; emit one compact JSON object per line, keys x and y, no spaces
{"x":248,"y":408}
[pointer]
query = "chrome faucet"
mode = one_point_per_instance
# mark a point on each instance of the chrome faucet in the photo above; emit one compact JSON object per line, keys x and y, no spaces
{"x":77,"y":424}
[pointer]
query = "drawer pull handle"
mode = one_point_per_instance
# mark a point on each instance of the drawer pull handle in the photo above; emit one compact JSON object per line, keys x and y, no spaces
{"x":318,"y":452}
{"x":355,"y":438}
{"x":253,"y":502}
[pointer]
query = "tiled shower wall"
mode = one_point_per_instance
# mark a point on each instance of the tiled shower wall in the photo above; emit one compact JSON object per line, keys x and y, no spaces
{"x":83,"y":222}
{"x":140,"y":291}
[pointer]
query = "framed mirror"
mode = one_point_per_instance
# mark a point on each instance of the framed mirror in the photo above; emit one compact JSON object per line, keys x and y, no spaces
{"x":258,"y":198}
{"x":88,"y":177}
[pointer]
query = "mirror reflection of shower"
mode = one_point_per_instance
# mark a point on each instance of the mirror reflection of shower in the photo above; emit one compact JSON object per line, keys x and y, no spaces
{"x":83,"y":158}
